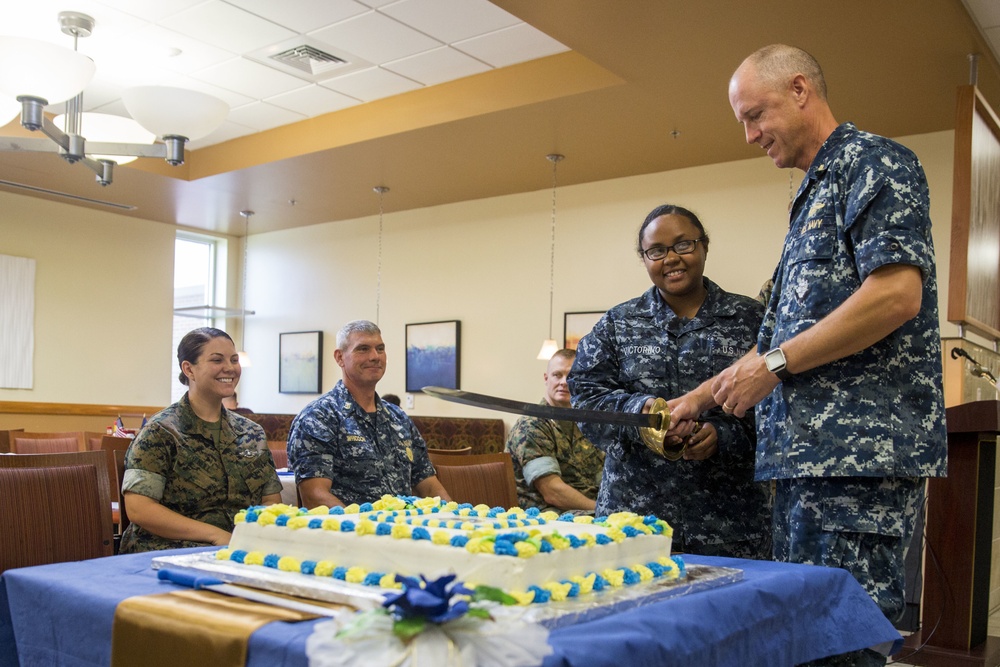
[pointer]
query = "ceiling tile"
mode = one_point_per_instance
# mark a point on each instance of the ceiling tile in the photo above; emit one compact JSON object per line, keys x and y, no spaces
{"x":263,"y":116}
{"x":302,"y":15}
{"x":226,"y":27}
{"x":150,"y":10}
{"x":437,"y":66}
{"x":249,"y":78}
{"x":986,"y":12}
{"x":376,"y":38}
{"x":151,"y":45}
{"x":451,"y":20}
{"x":228,"y":130}
{"x":371,"y":84}
{"x":510,"y":46}
{"x":313,"y":100}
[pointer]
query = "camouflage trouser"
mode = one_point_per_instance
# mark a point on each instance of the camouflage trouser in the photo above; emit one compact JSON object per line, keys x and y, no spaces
{"x":862,"y":525}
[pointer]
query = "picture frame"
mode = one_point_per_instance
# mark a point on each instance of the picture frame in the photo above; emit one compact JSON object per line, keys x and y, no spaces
{"x":433,"y":355}
{"x":577,"y":325}
{"x":300,"y":362}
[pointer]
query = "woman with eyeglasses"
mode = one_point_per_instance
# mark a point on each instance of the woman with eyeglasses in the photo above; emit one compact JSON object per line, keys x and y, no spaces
{"x":662,"y":344}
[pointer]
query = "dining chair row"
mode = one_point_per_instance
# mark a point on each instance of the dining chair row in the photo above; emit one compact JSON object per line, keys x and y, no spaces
{"x":57,"y":508}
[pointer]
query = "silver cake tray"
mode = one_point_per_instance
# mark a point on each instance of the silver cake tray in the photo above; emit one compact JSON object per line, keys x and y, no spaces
{"x":552,"y":615}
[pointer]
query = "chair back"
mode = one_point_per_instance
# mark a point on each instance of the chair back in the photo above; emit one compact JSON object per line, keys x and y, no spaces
{"x":47,"y":443}
{"x":279,"y":452}
{"x":5,"y":439}
{"x":57,"y":508}
{"x":461,"y":451}
{"x":486,"y":479}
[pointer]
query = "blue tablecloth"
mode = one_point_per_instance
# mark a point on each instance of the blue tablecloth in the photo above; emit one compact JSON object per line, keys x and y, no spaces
{"x":780,"y":614}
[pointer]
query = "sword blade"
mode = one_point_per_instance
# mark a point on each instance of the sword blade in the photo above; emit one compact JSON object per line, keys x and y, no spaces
{"x":652,"y":420}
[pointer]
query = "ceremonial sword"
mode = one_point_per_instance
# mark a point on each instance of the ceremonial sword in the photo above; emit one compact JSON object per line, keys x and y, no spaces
{"x":652,"y":426}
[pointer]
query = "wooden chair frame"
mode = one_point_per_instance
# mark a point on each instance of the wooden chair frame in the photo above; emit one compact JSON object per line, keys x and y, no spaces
{"x":81,"y":444}
{"x":465,"y":478}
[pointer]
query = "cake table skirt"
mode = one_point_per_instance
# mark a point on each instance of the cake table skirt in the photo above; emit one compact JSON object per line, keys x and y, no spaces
{"x":779,"y":614}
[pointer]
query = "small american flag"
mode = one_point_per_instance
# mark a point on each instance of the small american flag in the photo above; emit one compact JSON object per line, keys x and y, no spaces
{"x":120,"y":431}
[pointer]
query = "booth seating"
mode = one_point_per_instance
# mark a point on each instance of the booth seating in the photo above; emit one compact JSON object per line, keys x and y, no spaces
{"x":484,"y":436}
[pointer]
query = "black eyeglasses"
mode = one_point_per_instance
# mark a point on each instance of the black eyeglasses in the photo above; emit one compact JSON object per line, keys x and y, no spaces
{"x":658,"y":252}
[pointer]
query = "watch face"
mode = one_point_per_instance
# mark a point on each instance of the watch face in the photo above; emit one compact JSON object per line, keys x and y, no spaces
{"x":774,"y":360}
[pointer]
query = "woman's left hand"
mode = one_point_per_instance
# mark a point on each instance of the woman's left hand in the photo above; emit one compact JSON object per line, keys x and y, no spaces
{"x":702,"y":444}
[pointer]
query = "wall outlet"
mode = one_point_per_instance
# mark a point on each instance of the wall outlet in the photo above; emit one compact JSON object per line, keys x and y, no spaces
{"x":409,"y":401}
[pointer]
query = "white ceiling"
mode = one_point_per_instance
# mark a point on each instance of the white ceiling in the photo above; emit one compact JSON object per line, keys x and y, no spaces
{"x":986,"y":14}
{"x":209,"y":45}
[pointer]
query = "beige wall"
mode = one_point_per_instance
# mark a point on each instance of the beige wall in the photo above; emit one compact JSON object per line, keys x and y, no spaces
{"x":104,"y":281}
{"x":103,"y":294}
{"x":486,"y":263}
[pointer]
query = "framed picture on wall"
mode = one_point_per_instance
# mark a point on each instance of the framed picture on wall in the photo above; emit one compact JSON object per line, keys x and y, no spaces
{"x":578,"y":325}
{"x":433,"y":352}
{"x":300,"y":362}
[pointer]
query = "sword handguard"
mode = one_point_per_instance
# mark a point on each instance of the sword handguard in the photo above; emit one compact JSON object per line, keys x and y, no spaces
{"x":654,"y":437}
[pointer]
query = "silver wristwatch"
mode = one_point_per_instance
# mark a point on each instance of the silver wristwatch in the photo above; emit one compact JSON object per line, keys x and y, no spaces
{"x":775,"y":362}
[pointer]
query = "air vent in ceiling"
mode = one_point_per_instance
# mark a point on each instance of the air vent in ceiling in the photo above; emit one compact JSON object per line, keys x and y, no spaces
{"x":308,"y":59}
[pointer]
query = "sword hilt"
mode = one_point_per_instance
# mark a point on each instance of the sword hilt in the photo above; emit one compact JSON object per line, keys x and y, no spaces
{"x":654,"y":437}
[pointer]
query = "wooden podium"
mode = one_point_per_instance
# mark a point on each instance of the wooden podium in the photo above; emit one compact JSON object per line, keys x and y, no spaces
{"x":959,"y":539}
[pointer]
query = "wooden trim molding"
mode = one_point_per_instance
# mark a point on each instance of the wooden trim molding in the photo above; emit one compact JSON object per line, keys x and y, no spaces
{"x":75,"y":409}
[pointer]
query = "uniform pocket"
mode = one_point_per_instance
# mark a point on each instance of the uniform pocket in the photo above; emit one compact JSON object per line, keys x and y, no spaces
{"x":841,"y":517}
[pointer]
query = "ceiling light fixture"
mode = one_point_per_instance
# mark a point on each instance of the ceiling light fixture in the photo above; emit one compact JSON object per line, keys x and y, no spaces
{"x":38,"y":73}
{"x":244,"y":357}
{"x":549,"y":346}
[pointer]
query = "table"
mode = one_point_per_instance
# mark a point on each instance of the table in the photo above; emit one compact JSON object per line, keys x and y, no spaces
{"x":780,"y":614}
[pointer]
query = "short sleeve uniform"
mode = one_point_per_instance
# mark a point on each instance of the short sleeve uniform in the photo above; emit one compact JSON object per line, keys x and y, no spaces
{"x":880,"y":412}
{"x":364,"y":455}
{"x":540,"y":447}
{"x":204,"y":471}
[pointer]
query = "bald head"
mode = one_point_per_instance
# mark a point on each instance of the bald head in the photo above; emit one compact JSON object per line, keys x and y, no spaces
{"x":778,"y":94}
{"x":777,"y":64}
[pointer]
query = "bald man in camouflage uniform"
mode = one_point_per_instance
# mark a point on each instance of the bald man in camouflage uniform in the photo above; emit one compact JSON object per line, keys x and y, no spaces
{"x":847,"y":374}
{"x":555,"y":466}
{"x":349,"y":446}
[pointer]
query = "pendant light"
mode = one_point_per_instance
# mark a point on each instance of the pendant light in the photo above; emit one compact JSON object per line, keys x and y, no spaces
{"x":549,"y":345}
{"x":244,"y":357}
{"x":380,"y":190}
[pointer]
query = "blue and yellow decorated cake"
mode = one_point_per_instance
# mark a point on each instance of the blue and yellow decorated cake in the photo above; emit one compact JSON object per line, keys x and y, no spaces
{"x":534,"y":556}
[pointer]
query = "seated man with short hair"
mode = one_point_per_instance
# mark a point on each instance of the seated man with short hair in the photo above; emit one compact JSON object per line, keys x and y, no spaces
{"x":349,"y":446}
{"x":555,"y":467}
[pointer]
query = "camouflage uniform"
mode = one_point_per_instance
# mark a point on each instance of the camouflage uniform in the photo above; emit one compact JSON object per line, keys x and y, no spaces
{"x":365,"y":456}
{"x":641,"y":349}
{"x":876,"y":416}
{"x":175,"y":461}
{"x":540,"y":447}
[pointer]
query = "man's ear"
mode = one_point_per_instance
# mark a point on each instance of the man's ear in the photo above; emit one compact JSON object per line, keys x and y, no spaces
{"x":800,"y":89}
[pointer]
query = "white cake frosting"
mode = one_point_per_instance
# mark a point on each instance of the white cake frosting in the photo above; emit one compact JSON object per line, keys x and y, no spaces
{"x":524,"y":553}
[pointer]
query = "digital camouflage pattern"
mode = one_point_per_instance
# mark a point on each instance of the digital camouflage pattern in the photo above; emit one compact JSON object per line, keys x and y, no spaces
{"x":860,"y":524}
{"x":365,"y":456}
{"x":556,"y":447}
{"x":641,"y":349}
{"x":174,"y":460}
{"x":863,"y":204}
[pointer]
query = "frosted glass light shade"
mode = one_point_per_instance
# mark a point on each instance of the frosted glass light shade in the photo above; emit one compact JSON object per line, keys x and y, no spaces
{"x":40,"y":69}
{"x":109,"y":128}
{"x":166,"y":111}
{"x":549,"y":347}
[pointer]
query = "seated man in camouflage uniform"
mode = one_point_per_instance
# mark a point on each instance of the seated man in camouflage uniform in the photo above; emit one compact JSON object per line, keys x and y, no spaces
{"x":556,"y":468}
{"x":349,"y":446}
